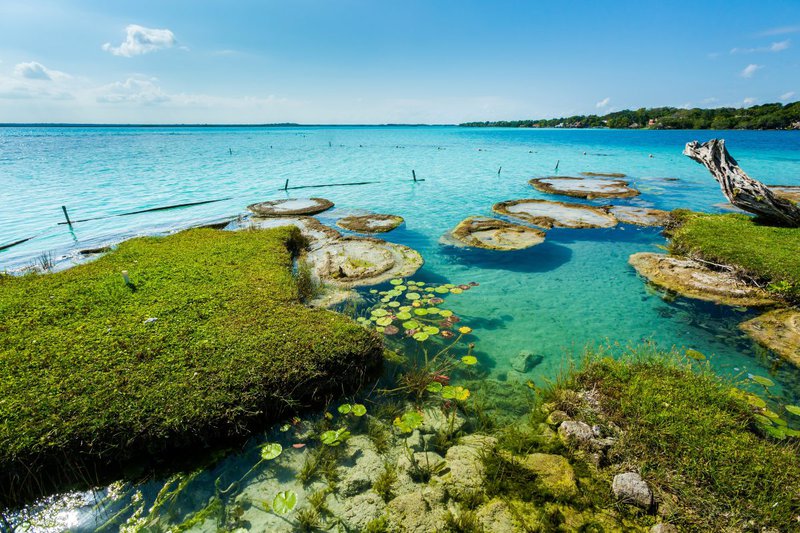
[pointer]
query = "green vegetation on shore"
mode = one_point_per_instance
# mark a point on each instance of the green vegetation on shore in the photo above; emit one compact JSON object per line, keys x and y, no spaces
{"x":764,"y":253}
{"x":760,"y":117}
{"x":209,"y":340}
{"x":693,"y":437}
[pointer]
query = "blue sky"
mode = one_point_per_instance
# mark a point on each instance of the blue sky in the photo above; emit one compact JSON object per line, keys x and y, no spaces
{"x":354,"y":61}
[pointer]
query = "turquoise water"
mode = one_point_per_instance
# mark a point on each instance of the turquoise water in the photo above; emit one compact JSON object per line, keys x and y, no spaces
{"x":574,"y":290}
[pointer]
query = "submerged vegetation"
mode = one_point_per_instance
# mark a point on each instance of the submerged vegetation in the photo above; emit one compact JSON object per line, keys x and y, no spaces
{"x":766,"y":254}
{"x":203,"y":337}
{"x":759,"y":117}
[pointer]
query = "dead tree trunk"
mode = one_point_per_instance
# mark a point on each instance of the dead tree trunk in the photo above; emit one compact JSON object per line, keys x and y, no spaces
{"x":741,"y":190}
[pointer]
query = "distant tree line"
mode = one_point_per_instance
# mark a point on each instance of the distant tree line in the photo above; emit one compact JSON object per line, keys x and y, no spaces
{"x":759,"y":117}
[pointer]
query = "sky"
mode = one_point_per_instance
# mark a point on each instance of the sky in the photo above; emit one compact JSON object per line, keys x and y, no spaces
{"x":380,"y":61}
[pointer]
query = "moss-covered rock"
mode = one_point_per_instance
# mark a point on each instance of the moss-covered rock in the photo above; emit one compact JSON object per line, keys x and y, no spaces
{"x":640,"y":216}
{"x":494,"y":234}
{"x":584,"y":187}
{"x":555,"y":476}
{"x":374,"y":223}
{"x":208,"y":340}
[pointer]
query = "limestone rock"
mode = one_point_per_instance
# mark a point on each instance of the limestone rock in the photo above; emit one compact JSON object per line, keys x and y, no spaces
{"x":524,"y":361}
{"x":779,"y":331}
{"x":436,"y":420}
{"x":361,"y":468}
{"x":290,"y":207}
{"x":496,"y":517}
{"x":374,"y":223}
{"x":420,"y":511}
{"x":631,"y":488}
{"x":575,"y":433}
{"x":362,"y":509}
{"x":467,"y":473}
{"x":493,"y":234}
{"x":547,"y":214}
{"x":693,"y":279}
{"x":640,"y":216}
{"x":589,"y":187}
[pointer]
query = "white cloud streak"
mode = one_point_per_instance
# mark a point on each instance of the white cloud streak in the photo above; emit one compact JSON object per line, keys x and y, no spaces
{"x":750,"y":70}
{"x":785,"y":97}
{"x":779,"y":46}
{"x":140,"y":40}
{"x":36,"y":71}
{"x":603,"y":103}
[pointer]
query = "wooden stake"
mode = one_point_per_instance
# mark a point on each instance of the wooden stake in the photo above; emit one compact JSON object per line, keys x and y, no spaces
{"x":286,"y":185}
{"x":66,"y":215}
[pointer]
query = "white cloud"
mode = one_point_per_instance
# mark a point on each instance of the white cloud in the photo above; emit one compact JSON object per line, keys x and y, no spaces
{"x":749,"y":101}
{"x":603,"y":103}
{"x":750,"y":70}
{"x":779,"y":46}
{"x":141,"y":40}
{"x":36,"y":71}
{"x":132,"y":90}
{"x":783,"y":30}
{"x":785,"y":97}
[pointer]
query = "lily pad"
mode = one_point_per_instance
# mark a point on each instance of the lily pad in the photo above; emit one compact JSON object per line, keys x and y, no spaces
{"x":270,"y":451}
{"x":345,"y":408}
{"x":795,"y":410}
{"x":434,"y":386}
{"x":411,"y":324}
{"x":762,"y":380}
{"x":469,"y":360}
{"x":284,"y":502}
{"x":384,"y":321}
{"x":420,"y":336}
{"x":359,"y":410}
{"x":457,"y":393}
{"x":408,"y":422}
{"x":430,"y":330}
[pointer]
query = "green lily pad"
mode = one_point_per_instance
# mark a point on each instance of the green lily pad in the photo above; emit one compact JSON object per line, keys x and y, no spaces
{"x":469,"y":360}
{"x":795,"y":410}
{"x":762,"y":380}
{"x":434,"y":386}
{"x":410,"y":421}
{"x":334,"y":438}
{"x":694,"y":354}
{"x":456,"y":290}
{"x":359,"y":410}
{"x":405,"y":308}
{"x":763,"y":420}
{"x":420,"y":312}
{"x":284,"y":502}
{"x":345,"y":408}
{"x":411,"y":324}
{"x":441,"y":290}
{"x":445,"y":313}
{"x":394,"y":304}
{"x":270,"y":451}
{"x":379,"y":312}
{"x":396,"y":281}
{"x":384,"y":321}
{"x":433,"y":310}
{"x":403,"y":315}
{"x":457,"y":393}
{"x":412,"y":296}
{"x":400,"y":288}
{"x":430,"y":330}
{"x":755,"y":401}
{"x":420,"y":336}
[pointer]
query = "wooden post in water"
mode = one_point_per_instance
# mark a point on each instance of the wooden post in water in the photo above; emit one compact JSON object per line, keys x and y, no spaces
{"x":557,"y":162}
{"x":286,"y":185}
{"x":414,"y":175}
{"x":66,"y":215}
{"x":498,"y":170}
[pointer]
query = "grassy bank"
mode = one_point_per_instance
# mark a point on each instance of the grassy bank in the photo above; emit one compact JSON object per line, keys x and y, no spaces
{"x":693,"y":438}
{"x":765,"y":253}
{"x":209,"y":340}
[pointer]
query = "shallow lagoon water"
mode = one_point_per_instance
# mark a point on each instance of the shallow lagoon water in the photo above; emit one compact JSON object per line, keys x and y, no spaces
{"x":575,"y":289}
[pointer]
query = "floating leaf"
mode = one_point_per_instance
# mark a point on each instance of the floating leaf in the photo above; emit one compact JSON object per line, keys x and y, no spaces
{"x":396,"y":281}
{"x":762,"y":380}
{"x":763,"y":420}
{"x":284,"y":502}
{"x":795,"y":410}
{"x":420,"y":312}
{"x":384,"y":321}
{"x":394,"y":304}
{"x":359,"y":410}
{"x":410,"y":421}
{"x":411,"y":324}
{"x":755,"y":401}
{"x":441,"y":290}
{"x":694,"y":354}
{"x":420,"y":284}
{"x":434,"y":386}
{"x":430,"y":330}
{"x":285,"y":428}
{"x":400,"y":288}
{"x":455,"y":393}
{"x":334,"y":438}
{"x":464,"y":330}
{"x":412,"y":296}
{"x":403,"y":315}
{"x":390,"y":330}
{"x":373,"y":291}
{"x":420,"y":336}
{"x":270,"y":451}
{"x":380,"y":329}
{"x":345,"y":408}
{"x":469,"y":359}
{"x":405,"y":308}
{"x":433,"y":310}
{"x":445,"y":313}
{"x":456,"y":290}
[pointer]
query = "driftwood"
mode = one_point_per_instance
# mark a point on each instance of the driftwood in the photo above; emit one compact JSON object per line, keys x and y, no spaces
{"x":741,"y":190}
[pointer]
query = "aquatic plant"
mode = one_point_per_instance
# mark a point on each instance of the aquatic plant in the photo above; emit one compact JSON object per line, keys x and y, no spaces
{"x":385,"y":481}
{"x":334,"y":437}
{"x":409,"y":421}
{"x":308,"y":519}
{"x":284,"y":502}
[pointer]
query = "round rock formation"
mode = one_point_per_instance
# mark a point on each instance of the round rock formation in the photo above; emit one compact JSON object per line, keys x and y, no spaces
{"x":584,"y":187}
{"x":546,"y":213}
{"x":494,"y":234}
{"x":290,"y":207}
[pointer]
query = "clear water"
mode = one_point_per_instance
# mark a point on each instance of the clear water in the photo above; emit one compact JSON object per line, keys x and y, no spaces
{"x":576,"y":289}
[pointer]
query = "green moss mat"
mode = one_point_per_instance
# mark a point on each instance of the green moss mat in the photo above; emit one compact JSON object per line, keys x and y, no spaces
{"x":86,"y":375}
{"x":765,"y":252}
{"x":695,"y":440}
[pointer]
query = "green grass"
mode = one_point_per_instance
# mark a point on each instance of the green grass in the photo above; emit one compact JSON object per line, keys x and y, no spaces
{"x":761,"y":251}
{"x":85,"y":381}
{"x":694,"y":441}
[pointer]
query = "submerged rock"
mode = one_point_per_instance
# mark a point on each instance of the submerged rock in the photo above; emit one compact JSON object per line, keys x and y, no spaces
{"x":641,"y":216}
{"x":575,"y":433}
{"x":290,"y":207}
{"x":554,"y":475}
{"x":496,"y":516}
{"x":359,"y":511}
{"x":435,"y":420}
{"x":779,"y":331}
{"x":467,"y":473}
{"x":420,"y":511}
{"x":495,"y":234}
{"x":584,"y":187}
{"x":317,"y":233}
{"x":370,"y":223}
{"x":631,"y":488}
{"x":546,"y":213}
{"x":603,"y":174}
{"x":693,"y":279}
{"x":524,"y":361}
